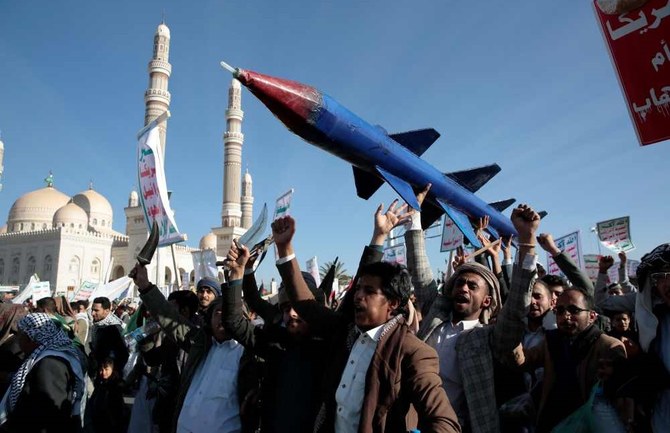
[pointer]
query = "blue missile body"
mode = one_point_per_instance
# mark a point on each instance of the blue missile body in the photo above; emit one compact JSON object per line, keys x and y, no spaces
{"x":378,"y":157}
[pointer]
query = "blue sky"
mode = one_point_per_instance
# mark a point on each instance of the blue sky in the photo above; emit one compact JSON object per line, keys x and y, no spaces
{"x":528,"y":85}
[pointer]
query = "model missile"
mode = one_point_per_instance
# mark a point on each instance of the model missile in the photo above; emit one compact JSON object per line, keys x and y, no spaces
{"x":379,"y":157}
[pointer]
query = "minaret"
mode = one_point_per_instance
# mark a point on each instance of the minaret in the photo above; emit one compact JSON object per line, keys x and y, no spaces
{"x":157,"y":97}
{"x":247,"y":201}
{"x":232,"y":157}
{"x":2,"y":158}
{"x":231,"y":212}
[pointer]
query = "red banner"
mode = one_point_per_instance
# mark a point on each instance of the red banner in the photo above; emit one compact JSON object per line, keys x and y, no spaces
{"x":639,"y":44}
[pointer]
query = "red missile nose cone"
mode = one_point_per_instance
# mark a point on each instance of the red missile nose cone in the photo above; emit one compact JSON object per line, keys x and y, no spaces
{"x":292,"y":102}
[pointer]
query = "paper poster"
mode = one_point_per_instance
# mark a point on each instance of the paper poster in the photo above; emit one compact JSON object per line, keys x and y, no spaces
{"x":85,"y":290}
{"x":615,"y":234}
{"x":571,"y":245}
{"x":153,"y":192}
{"x":283,"y":205}
{"x":395,"y":254}
{"x":591,"y":266}
{"x":452,"y":237}
{"x":638,"y":41}
{"x":204,"y":265}
{"x":41,"y":289}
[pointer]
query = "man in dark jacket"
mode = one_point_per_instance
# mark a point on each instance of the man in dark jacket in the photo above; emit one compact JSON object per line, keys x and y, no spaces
{"x":378,"y":368}
{"x":294,"y":357}
{"x":208,"y":399}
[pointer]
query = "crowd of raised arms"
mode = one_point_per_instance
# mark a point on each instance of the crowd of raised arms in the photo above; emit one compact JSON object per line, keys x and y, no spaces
{"x":497,"y":346}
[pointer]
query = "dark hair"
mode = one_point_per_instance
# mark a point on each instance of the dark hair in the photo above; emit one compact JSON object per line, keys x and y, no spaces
{"x":395,"y":280}
{"x":544,"y":285}
{"x":47,"y":304}
{"x":588,"y":299}
{"x":185,"y":299}
{"x":553,"y":281}
{"x":104,"y":302}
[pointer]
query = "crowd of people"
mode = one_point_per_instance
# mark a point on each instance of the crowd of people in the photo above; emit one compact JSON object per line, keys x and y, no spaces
{"x":496,"y":346}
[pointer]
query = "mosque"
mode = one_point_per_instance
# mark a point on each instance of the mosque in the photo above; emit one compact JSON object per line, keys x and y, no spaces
{"x":69,"y":240}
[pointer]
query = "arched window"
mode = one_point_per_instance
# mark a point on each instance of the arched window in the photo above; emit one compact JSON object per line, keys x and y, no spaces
{"x":74,"y":265}
{"x":20,"y":226}
{"x":168,"y":276}
{"x":30,"y":269}
{"x":48,"y":264}
{"x":16,"y":265}
{"x":95,"y":269}
{"x":103,"y":223}
{"x":32,"y":226}
{"x":95,"y":221}
{"x":118,"y":272}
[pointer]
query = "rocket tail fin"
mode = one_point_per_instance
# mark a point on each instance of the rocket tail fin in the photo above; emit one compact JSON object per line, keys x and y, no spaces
{"x":366,"y":183}
{"x":403,"y":188}
{"x":417,"y":141}
{"x":429,"y":214}
{"x":502,"y":204}
{"x":462,"y":222}
{"x":474,"y":178}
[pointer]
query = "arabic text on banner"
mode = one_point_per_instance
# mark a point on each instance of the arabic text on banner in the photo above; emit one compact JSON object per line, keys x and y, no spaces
{"x":85,"y":290}
{"x":153,"y":189}
{"x":452,"y":237}
{"x":571,"y":246}
{"x":283,"y":205}
{"x":591,"y":266}
{"x":639,"y":45}
{"x":41,"y":289}
{"x":615,"y":234}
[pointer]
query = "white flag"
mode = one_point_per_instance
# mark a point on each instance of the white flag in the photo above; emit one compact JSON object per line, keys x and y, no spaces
{"x":153,"y":188}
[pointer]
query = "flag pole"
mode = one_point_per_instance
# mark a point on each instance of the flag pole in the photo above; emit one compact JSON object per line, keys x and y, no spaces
{"x":165,"y":115}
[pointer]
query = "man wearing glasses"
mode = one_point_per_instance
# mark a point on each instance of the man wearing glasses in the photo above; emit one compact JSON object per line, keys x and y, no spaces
{"x":651,"y":306}
{"x":570,"y":356}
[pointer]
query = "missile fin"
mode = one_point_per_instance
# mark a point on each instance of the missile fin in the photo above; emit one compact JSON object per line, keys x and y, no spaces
{"x":493,"y":232}
{"x":429,"y":214}
{"x":542,"y":213}
{"x":366,"y":183}
{"x":502,"y":204}
{"x":417,"y":141}
{"x":462,"y":222}
{"x":403,"y":188}
{"x":474,"y":178}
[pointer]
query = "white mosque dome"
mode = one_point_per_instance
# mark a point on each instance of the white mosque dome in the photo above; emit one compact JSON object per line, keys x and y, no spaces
{"x":71,"y":216}
{"x":35,"y":210}
{"x":208,"y":242}
{"x":163,"y":30}
{"x":97,"y":207}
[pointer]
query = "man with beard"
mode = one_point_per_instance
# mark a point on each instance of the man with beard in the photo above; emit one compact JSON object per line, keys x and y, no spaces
{"x":207,"y":289}
{"x":455,"y":320}
{"x":294,"y":358}
{"x":570,"y":356}
{"x":105,"y":337}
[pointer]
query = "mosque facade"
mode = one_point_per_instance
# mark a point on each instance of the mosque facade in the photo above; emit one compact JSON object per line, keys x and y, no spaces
{"x":68,"y":240}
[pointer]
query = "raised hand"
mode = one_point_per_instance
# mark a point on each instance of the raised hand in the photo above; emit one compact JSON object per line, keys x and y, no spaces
{"x":482,"y":224}
{"x":623,"y":258}
{"x":237,"y":258}
{"x":140,"y":277}
{"x":546,"y":241}
{"x":507,"y":247}
{"x":459,"y":258}
{"x":386,"y":221}
{"x":283,"y":230}
{"x":604,"y":263}
{"x":526,"y":222}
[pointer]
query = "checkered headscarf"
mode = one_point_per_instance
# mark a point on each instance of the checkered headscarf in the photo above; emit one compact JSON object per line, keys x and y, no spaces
{"x":42,"y":330}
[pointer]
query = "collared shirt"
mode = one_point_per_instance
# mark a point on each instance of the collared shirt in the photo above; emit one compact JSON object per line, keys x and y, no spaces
{"x":211,"y":400}
{"x":444,"y":339}
{"x":351,"y":390}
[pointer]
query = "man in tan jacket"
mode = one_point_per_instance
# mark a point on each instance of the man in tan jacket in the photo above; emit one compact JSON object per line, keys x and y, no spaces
{"x":570,"y":356}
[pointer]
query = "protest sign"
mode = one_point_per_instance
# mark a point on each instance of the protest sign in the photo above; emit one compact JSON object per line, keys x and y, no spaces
{"x":85,"y":290}
{"x":591,"y":266}
{"x":570,"y":245}
{"x":41,"y":289}
{"x":613,"y":273}
{"x":283,"y":205}
{"x":27,"y":291}
{"x":639,"y":46}
{"x":615,"y":234}
{"x":452,"y":237}
{"x":204,"y":265}
{"x":395,"y":254}
{"x":153,"y":192}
